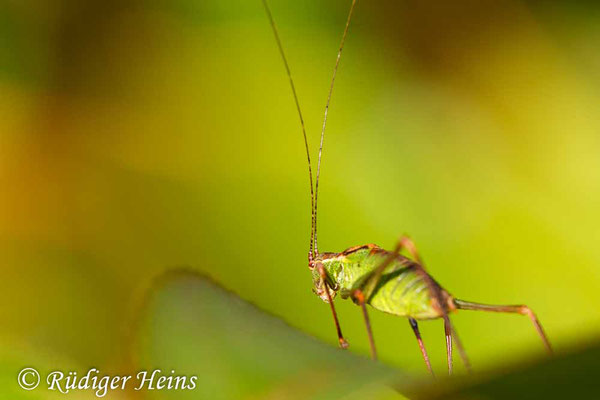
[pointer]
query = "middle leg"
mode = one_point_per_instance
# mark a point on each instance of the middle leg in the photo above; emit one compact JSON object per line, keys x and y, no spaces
{"x":415,"y":327}
{"x":359,"y":297}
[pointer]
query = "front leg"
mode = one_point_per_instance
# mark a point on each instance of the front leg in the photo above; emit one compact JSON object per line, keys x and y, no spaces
{"x":325,"y":285}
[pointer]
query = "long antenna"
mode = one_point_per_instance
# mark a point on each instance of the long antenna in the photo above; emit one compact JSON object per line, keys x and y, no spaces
{"x":313,"y":211}
{"x":337,"y":63}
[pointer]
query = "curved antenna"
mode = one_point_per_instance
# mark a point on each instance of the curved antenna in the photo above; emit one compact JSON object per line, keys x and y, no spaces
{"x":313,"y":222}
{"x":337,"y":63}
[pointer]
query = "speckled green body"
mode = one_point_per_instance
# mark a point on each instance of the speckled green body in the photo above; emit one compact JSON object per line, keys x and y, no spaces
{"x":402,"y":290}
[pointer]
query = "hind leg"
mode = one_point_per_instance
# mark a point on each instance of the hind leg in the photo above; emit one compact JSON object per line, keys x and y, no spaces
{"x":368,"y":285}
{"x":406,"y":243}
{"x":516,"y":309}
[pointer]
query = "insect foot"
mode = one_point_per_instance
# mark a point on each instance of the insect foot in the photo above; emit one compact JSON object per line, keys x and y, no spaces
{"x":524,"y":310}
{"x":343,"y":343}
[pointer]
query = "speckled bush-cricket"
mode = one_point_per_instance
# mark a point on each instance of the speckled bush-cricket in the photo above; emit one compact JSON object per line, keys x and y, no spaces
{"x":386,"y":280}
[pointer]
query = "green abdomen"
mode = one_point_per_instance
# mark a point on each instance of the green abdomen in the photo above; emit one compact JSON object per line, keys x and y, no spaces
{"x":404,"y":293}
{"x":401,"y":290}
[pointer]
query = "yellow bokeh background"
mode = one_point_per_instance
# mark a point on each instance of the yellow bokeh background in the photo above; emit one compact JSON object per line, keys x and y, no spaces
{"x":138,"y":136}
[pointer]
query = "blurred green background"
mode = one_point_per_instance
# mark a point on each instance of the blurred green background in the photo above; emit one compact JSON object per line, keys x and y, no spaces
{"x":136,"y":136}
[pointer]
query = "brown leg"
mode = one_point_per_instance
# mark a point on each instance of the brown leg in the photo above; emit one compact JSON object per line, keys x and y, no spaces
{"x":366,"y":288}
{"x":343,"y":343}
{"x":517,"y":309}
{"x":369,"y":284}
{"x":360,"y":299}
{"x":461,"y":349}
{"x":415,"y":327}
{"x":407,"y":243}
{"x":448,"y":332}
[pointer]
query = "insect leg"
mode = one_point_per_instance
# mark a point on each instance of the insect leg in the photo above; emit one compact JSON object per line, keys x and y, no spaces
{"x":461,"y":349}
{"x":360,"y":298}
{"x":366,"y":289}
{"x":407,"y":243}
{"x":370,"y":283}
{"x":415,"y":327}
{"x":341,"y":340}
{"x":517,"y":309}
{"x":448,"y":332}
